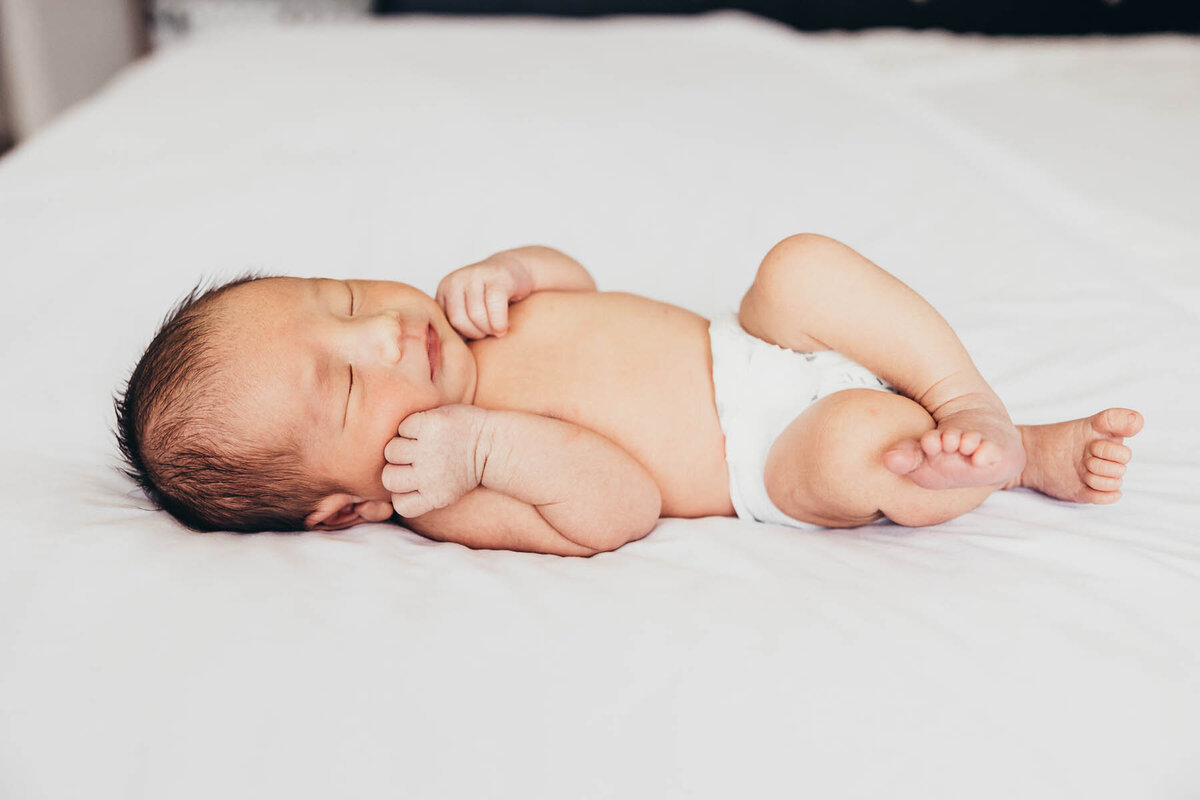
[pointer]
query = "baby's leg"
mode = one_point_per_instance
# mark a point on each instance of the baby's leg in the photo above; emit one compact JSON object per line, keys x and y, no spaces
{"x":812,"y":292}
{"x":827,"y":466}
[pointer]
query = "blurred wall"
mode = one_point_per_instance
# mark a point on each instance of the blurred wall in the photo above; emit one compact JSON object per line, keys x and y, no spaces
{"x":56,"y":52}
{"x":5,"y":125}
{"x":1005,"y":17}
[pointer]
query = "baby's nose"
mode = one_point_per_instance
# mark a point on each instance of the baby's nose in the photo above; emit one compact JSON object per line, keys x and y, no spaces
{"x":385,"y":340}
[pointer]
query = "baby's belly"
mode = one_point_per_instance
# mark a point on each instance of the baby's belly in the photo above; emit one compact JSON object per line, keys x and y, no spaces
{"x":632,"y":369}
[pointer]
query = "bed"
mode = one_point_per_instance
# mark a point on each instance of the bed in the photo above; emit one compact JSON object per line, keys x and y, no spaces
{"x":1040,"y":192}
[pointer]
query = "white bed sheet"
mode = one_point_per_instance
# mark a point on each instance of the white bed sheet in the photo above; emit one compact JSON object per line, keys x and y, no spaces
{"x":1041,"y":193}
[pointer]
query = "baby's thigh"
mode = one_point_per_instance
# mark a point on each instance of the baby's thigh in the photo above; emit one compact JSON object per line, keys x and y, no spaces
{"x":827,"y":468}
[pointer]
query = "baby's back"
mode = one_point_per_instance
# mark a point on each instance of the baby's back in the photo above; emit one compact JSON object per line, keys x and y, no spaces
{"x":632,"y":369}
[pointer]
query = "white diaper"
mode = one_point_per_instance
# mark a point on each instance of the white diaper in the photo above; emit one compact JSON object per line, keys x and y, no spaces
{"x":760,"y":389}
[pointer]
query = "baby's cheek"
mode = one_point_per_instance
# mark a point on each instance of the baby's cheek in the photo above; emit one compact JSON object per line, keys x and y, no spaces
{"x":362,"y":466}
{"x":377,"y":492}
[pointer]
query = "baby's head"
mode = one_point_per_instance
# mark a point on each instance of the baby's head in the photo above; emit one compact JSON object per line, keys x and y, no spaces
{"x":266,"y":403}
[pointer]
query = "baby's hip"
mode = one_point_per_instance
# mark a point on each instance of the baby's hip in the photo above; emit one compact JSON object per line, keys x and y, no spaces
{"x":751,"y":376}
{"x":760,"y":388}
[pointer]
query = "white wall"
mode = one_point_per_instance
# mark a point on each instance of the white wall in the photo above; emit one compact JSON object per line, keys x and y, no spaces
{"x":56,"y":52}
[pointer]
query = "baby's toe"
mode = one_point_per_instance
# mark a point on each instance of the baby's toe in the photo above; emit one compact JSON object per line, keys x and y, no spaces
{"x":970,"y":442}
{"x":1100,"y":466}
{"x":903,"y":457}
{"x":1100,"y":498}
{"x":931,"y":442}
{"x":950,"y":439}
{"x":988,"y":454}
{"x":1118,"y":422}
{"x":1102,"y":483}
{"x":1110,"y":451}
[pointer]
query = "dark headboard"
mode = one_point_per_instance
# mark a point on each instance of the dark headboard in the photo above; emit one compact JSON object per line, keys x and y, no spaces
{"x":981,"y":16}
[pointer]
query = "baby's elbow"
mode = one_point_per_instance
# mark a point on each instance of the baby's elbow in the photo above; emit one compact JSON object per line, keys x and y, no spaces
{"x":616,"y":538}
{"x":651,"y":510}
{"x":637,"y":517}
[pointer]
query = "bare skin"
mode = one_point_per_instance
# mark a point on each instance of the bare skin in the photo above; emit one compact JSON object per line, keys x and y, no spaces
{"x":1081,"y":461}
{"x":814,"y":293}
{"x":605,"y":397}
{"x":974,"y":445}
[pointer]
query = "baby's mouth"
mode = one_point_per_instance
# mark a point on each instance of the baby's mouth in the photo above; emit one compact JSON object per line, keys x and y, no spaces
{"x":433,"y":346}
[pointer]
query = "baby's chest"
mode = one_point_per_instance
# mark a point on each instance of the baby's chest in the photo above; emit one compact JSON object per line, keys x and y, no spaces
{"x":597,"y":356}
{"x":634,"y":370}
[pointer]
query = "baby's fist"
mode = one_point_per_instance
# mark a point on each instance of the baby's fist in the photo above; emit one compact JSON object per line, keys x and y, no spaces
{"x":437,"y":458}
{"x":475,"y":298}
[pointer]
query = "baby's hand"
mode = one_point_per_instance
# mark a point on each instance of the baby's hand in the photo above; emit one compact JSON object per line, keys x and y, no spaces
{"x":475,"y":298}
{"x":437,"y":458}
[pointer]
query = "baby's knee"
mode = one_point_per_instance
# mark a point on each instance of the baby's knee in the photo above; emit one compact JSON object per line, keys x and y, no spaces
{"x":842,"y":438}
{"x":795,"y":256}
{"x":868,"y":418}
{"x":858,"y":427}
{"x":864,"y":425}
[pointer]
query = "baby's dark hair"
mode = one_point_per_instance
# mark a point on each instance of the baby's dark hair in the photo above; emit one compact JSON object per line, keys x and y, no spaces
{"x":174,"y":433}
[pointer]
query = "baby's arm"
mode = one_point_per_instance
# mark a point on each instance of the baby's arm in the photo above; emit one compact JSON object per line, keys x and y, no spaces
{"x":587,"y":494}
{"x":475,"y":298}
{"x":550,"y":269}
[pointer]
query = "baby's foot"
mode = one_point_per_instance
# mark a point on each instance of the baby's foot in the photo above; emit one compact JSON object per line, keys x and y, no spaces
{"x":973,"y":447}
{"x":1083,"y":460}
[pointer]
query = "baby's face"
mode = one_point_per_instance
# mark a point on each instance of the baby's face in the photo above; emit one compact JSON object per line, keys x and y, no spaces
{"x":339,"y":364}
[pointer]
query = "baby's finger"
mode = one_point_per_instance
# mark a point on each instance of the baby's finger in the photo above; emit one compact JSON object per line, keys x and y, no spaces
{"x":410,"y":504}
{"x":476,"y":309}
{"x":497,"y":309}
{"x":400,"y":450}
{"x":399,"y":478}
{"x":410,"y":426}
{"x":448,"y":285}
{"x":456,"y":312}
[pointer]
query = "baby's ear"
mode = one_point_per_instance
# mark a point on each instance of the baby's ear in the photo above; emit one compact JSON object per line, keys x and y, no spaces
{"x":337,"y":512}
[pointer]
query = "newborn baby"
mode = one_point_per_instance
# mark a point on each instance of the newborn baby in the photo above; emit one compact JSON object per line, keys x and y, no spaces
{"x":569,"y":421}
